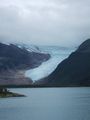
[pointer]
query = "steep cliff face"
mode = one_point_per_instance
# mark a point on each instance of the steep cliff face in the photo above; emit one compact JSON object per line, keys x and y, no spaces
{"x":15,"y":60}
{"x":73,"y":71}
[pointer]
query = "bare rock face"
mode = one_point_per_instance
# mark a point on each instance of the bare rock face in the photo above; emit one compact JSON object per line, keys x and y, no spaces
{"x":15,"y":77}
{"x":13,"y":57}
{"x":73,"y":71}
{"x":14,"y":61}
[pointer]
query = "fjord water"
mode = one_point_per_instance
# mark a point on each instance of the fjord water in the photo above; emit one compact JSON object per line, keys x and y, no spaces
{"x":47,"y":104}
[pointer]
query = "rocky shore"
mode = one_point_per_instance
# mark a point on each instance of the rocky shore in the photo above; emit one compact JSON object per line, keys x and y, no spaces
{"x":4,"y":93}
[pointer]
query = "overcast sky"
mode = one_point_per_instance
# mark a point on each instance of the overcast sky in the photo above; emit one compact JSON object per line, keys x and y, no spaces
{"x":48,"y":22}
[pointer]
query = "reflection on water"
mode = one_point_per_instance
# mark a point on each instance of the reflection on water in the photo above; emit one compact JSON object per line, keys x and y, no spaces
{"x":47,"y":104}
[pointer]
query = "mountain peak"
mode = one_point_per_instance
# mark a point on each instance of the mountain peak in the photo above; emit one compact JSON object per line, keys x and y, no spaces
{"x":85,"y":46}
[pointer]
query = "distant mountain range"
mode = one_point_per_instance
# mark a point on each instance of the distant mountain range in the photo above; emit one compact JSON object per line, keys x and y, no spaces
{"x":14,"y":60}
{"x":73,"y":71}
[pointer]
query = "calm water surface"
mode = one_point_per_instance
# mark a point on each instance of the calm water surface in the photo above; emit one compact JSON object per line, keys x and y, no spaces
{"x":47,"y":104}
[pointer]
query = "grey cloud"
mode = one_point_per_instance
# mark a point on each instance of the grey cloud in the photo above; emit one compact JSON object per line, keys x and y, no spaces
{"x":51,"y":22}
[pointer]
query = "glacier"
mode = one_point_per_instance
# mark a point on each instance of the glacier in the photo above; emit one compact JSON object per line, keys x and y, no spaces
{"x":57,"y":55}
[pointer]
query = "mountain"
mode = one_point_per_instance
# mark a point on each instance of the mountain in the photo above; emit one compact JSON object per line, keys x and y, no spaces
{"x":73,"y":71}
{"x":15,"y":60}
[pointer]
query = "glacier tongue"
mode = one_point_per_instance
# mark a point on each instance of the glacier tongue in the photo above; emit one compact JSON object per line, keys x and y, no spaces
{"x":57,"y":55}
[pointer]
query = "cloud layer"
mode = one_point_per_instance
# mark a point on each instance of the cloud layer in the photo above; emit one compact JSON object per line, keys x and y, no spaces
{"x":50,"y":22}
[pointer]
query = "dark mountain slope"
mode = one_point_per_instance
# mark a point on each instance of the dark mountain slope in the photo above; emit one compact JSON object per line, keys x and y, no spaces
{"x":73,"y":71}
{"x":13,"y":57}
{"x":14,"y":61}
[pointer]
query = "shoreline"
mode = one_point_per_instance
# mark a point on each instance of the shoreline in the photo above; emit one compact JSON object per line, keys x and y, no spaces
{"x":10,"y":94}
{"x":41,"y":86}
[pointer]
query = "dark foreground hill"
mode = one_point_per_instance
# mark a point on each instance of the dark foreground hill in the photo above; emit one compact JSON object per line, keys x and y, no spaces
{"x":73,"y":71}
{"x":14,"y":61}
